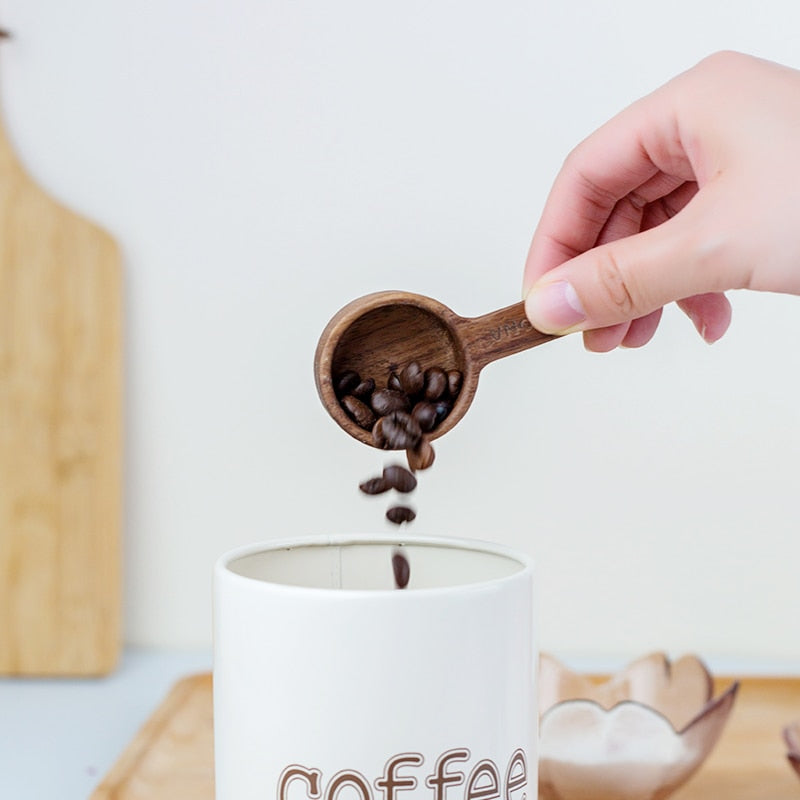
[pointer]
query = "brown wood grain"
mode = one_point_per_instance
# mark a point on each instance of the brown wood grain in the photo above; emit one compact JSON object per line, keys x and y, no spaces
{"x":60,"y":434}
{"x":750,"y":761}
{"x":499,"y":334}
{"x":172,"y":756}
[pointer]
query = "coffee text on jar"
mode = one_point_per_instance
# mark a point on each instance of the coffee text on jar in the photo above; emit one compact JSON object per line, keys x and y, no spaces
{"x":484,"y":782}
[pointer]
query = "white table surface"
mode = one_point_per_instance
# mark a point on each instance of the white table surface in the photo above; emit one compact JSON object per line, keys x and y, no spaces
{"x":59,"y":737}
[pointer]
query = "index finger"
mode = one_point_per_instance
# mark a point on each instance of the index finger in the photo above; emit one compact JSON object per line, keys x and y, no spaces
{"x":637,"y":155}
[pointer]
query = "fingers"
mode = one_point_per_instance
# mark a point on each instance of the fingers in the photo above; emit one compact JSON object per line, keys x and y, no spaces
{"x":636,"y":333}
{"x":667,"y":206}
{"x":637,"y":155}
{"x":603,"y":340}
{"x":632,"y":277}
{"x":650,"y":205}
{"x":642,"y":330}
{"x":710,"y":314}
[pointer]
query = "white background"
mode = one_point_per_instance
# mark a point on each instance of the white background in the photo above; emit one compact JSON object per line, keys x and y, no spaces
{"x":262,"y":163}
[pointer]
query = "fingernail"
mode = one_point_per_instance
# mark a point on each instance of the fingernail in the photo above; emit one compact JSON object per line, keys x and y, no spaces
{"x":554,"y":307}
{"x":701,"y":327}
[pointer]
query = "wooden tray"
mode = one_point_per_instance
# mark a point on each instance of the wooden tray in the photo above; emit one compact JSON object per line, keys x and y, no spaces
{"x":172,"y":756}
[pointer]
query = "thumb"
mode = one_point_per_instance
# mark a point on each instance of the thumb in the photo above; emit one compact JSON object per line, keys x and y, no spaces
{"x":628,"y":278}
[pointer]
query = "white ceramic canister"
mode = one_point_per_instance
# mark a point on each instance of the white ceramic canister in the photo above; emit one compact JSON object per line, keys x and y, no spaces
{"x":332,"y":684}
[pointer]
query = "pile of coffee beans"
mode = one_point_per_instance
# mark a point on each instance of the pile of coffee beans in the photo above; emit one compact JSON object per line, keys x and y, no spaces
{"x":413,"y":403}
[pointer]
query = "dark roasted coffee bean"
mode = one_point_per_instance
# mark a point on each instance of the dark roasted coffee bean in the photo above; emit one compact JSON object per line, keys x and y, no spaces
{"x":454,"y":380}
{"x":443,"y":408}
{"x":394,"y":383}
{"x":378,"y":436}
{"x":400,"y":514}
{"x":422,"y":456}
{"x":397,"y":477}
{"x":346,"y":382}
{"x":425,"y":415}
{"x":400,"y":431}
{"x":412,"y":378}
{"x":374,"y":486}
{"x":435,"y":383}
{"x":401,"y":569}
{"x":358,"y":411}
{"x":364,"y":390}
{"x":384,"y":401}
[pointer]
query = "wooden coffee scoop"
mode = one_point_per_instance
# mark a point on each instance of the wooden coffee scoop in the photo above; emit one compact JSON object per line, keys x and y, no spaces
{"x":381,"y":333}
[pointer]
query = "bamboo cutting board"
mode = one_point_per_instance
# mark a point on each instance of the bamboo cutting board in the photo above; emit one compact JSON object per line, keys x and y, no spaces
{"x":172,"y":757}
{"x":60,"y":434}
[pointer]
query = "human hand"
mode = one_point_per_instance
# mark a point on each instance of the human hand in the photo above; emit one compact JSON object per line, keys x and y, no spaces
{"x":689,"y":192}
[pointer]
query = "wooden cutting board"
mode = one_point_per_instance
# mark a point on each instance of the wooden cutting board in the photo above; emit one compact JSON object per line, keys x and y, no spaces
{"x":60,"y":434}
{"x":172,"y":757}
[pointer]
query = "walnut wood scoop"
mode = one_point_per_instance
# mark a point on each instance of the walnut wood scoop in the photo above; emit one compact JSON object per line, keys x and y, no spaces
{"x":382,"y":332}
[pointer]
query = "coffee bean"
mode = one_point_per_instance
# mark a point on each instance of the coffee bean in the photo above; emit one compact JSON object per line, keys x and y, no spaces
{"x":412,"y":378}
{"x":397,"y":477}
{"x":358,"y":411}
{"x":425,"y":415}
{"x":401,"y":569}
{"x":346,"y":382}
{"x":443,"y":408}
{"x":374,"y":486}
{"x":422,"y":456}
{"x":435,"y":383}
{"x":400,"y":514}
{"x":454,"y":380}
{"x":394,"y":383}
{"x":378,"y":438}
{"x":384,"y":401}
{"x":400,"y":431}
{"x":364,"y":389}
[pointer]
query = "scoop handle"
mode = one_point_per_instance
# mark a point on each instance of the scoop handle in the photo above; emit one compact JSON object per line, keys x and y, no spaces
{"x":499,"y":334}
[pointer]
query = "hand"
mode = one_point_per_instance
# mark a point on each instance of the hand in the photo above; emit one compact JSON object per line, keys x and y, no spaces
{"x":689,"y":192}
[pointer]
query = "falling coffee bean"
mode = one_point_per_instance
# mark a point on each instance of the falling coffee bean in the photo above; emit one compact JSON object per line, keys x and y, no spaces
{"x":422,"y":456}
{"x":425,"y":415}
{"x":399,"y":431}
{"x":399,"y":478}
{"x":412,"y":378}
{"x":435,"y":383}
{"x":401,"y":569}
{"x":385,"y":401}
{"x":374,"y":486}
{"x":400,"y":514}
{"x":378,"y":437}
{"x":360,"y":412}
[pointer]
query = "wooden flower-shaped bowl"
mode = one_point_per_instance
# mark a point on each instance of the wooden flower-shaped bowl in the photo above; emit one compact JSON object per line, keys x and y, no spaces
{"x":638,"y":736}
{"x":791,"y":735}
